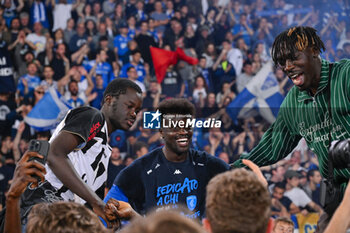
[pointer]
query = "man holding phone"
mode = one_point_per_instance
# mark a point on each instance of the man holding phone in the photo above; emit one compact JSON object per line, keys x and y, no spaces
{"x":78,"y":155}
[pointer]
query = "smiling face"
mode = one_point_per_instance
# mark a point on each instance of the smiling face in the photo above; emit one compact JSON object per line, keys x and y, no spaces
{"x":296,"y":51}
{"x":121,"y":112}
{"x":177,"y":139}
{"x":283,"y":227}
{"x":304,"y":70}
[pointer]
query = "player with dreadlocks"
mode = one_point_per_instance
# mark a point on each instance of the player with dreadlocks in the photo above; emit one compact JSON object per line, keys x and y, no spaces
{"x":304,"y":111}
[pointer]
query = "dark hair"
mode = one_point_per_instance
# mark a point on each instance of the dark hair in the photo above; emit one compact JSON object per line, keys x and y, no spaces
{"x":43,"y":134}
{"x":48,"y":66}
{"x":280,"y":185}
{"x":118,"y":86}
{"x":135,"y":51}
{"x":100,"y":50}
{"x":247,"y":62}
{"x":176,"y":106}
{"x":292,"y":40}
{"x":129,"y":68}
{"x":311,"y":173}
{"x":138,"y":145}
{"x":103,"y":38}
{"x":72,"y":81}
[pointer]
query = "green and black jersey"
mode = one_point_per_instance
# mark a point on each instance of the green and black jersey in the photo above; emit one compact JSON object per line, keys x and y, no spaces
{"x":305,"y":116}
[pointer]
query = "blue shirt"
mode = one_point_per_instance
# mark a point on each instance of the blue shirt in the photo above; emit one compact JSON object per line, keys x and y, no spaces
{"x":76,"y":42}
{"x":131,"y":33}
{"x":155,"y":35}
{"x":33,"y":81}
{"x":76,"y":103}
{"x":121,"y":42}
{"x":140,"y":69}
{"x":245,"y":35}
{"x":104,"y":69}
{"x":96,"y":103}
{"x":153,"y":181}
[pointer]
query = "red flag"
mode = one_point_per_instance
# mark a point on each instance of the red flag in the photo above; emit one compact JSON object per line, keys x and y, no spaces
{"x":162,"y":59}
{"x":182,"y":56}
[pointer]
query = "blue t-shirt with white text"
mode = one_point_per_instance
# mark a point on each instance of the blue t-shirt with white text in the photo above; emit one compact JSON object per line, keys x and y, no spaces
{"x":154,"y":182}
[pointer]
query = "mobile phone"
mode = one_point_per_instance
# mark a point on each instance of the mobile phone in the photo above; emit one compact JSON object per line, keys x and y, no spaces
{"x":40,"y":146}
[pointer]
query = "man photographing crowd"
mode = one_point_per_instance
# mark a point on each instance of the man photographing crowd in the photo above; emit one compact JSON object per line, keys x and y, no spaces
{"x":316,"y":108}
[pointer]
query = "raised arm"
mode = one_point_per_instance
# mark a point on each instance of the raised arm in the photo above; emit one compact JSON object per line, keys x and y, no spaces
{"x":15,"y":149}
{"x":23,"y":175}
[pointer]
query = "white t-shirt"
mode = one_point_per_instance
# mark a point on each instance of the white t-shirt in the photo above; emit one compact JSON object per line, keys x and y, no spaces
{"x":298,"y":197}
{"x":235,"y":57}
{"x":38,"y":41}
{"x":196,"y":94}
{"x":61,"y":13}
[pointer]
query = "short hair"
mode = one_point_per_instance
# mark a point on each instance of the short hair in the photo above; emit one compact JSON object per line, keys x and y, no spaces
{"x":23,"y":14}
{"x":138,"y":145}
{"x":237,"y":201}
{"x":164,"y":221}
{"x":247,"y":62}
{"x":176,"y":106}
{"x":72,"y":81}
{"x":129,"y":68}
{"x":101,"y":50}
{"x":292,"y":40}
{"x":48,"y":66}
{"x":311,"y":173}
{"x":43,"y":134}
{"x":63,"y":217}
{"x":281,"y":185}
{"x":119,"y":86}
{"x":283,"y":219}
{"x":133,"y":52}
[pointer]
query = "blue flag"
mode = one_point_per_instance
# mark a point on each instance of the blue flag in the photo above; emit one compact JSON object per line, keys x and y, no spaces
{"x":261,"y":95}
{"x":48,"y":112}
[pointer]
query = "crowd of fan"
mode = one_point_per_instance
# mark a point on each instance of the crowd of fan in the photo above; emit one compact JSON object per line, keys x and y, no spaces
{"x":79,"y":46}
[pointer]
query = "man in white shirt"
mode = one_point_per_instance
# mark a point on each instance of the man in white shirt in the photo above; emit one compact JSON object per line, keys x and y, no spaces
{"x":61,"y":13}
{"x":37,"y":38}
{"x":234,"y":56}
{"x":296,"y":194}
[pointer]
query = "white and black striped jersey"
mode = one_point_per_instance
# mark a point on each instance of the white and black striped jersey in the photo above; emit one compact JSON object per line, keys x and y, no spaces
{"x":90,"y":159}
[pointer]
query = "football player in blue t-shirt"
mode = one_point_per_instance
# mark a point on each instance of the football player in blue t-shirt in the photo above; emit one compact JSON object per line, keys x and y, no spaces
{"x":171,"y":176}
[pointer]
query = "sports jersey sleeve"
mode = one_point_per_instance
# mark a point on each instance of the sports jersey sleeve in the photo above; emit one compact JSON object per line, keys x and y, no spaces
{"x":216,"y":166}
{"x":123,"y":73}
{"x":128,"y":186}
{"x":84,"y":122}
{"x":116,"y":193}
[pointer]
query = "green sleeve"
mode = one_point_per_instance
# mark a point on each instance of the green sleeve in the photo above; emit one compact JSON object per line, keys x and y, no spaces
{"x":276,"y":143}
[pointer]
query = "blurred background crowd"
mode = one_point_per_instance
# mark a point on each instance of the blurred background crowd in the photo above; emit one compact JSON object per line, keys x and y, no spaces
{"x":78,"y":46}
